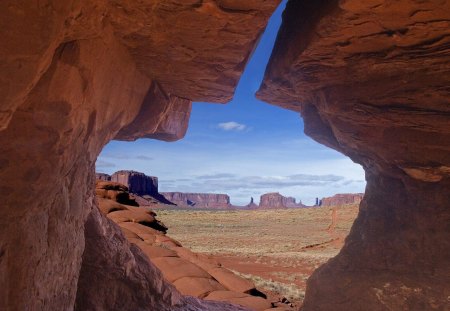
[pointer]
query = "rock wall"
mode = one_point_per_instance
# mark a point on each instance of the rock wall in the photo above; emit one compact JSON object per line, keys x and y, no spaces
{"x":276,"y":200}
{"x":137,"y":182}
{"x":371,"y":80}
{"x":198,"y":200}
{"x":74,"y":75}
{"x":342,"y":199}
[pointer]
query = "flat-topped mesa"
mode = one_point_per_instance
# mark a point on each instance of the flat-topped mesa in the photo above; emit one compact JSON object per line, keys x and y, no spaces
{"x":198,"y":200}
{"x":342,"y":199}
{"x":102,"y":176}
{"x":137,"y":182}
{"x":276,"y":200}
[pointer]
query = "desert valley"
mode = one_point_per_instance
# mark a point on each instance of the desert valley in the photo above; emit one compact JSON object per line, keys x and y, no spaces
{"x":205,"y":233}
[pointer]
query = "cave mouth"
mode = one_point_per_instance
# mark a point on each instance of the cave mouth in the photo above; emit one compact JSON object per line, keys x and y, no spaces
{"x":370,"y":79}
{"x":243,"y":150}
{"x":264,"y":251}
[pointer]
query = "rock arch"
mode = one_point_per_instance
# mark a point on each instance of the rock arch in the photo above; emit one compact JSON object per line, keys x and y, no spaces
{"x":371,"y":80}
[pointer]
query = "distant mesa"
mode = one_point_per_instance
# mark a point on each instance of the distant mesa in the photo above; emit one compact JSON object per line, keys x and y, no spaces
{"x":252,"y":204}
{"x":143,"y":188}
{"x":275,"y":200}
{"x":144,"y":191}
{"x":102,"y":176}
{"x":199,"y":200}
{"x":342,"y":199}
{"x":138,"y":183}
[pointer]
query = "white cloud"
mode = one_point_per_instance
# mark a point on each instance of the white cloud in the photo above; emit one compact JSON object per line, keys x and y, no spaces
{"x":232,"y":126}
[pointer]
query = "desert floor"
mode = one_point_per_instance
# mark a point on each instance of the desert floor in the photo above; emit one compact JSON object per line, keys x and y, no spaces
{"x":277,"y":249}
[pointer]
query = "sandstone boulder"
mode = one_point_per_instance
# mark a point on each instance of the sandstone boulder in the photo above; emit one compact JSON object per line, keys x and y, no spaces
{"x":152,"y":251}
{"x":174,"y":268}
{"x":197,"y":286}
{"x":254,"y":303}
{"x":231,"y":281}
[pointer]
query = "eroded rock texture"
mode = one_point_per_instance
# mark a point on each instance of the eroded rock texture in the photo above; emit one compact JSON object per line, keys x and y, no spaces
{"x":371,"y":79}
{"x":137,"y":182}
{"x":191,"y":274}
{"x":276,"y":200}
{"x":198,"y":200}
{"x":342,"y":199}
{"x":74,"y":75}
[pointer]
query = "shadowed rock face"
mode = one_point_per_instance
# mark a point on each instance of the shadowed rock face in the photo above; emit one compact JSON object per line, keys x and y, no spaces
{"x":137,"y":182}
{"x":371,"y":79}
{"x":74,"y":75}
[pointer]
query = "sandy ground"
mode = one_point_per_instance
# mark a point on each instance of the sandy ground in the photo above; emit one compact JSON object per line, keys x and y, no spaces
{"x":277,"y":249}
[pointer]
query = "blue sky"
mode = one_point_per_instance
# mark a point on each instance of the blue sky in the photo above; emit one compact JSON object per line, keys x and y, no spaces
{"x":244,"y":148}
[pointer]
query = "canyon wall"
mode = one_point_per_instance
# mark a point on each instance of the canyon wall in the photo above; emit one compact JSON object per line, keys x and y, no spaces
{"x":371,"y":80}
{"x":198,"y":200}
{"x":74,"y":75}
{"x":276,"y":200}
{"x":342,"y":199}
{"x":137,"y":183}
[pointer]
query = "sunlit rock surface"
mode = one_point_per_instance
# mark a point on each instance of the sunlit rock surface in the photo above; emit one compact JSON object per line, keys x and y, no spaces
{"x":276,"y":200}
{"x":372,"y":80}
{"x":342,"y":199}
{"x":191,"y":274}
{"x":198,"y":200}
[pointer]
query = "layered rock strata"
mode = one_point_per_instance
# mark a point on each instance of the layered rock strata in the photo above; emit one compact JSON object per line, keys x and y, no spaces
{"x":371,"y":80}
{"x":342,"y":199}
{"x":137,"y":182}
{"x":191,"y":274}
{"x":276,"y":200}
{"x":198,"y":200}
{"x":74,"y":75}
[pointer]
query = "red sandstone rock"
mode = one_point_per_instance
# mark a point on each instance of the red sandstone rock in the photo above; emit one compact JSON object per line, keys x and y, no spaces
{"x":155,"y":251}
{"x":190,"y":273}
{"x":198,"y":200}
{"x":174,"y":268}
{"x":231,"y":281}
{"x":371,"y":76}
{"x":251,"y":205}
{"x":102,"y":176}
{"x":370,"y":79}
{"x":276,"y":200}
{"x":254,"y":303}
{"x":342,"y":199}
{"x":73,"y":73}
{"x":137,"y":182}
{"x":197,"y":287}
